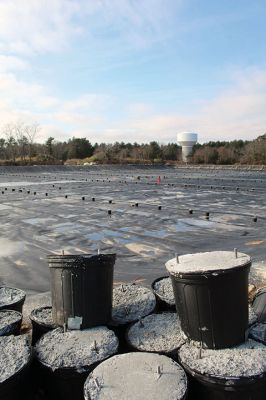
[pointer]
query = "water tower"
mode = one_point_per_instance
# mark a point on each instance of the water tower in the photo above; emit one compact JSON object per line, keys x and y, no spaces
{"x":186,"y":140}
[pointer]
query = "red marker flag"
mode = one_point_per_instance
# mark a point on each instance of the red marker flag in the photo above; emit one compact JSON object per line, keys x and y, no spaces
{"x":158,"y":180}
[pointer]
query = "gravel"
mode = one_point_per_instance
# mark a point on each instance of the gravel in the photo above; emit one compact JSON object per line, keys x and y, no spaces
{"x":135,"y":376}
{"x":164,"y":290}
{"x":43,"y":315}
{"x":76,"y":349}
{"x":131,"y":302}
{"x":10,"y":295}
{"x":246,"y":360}
{"x":157,"y":333}
{"x":15,"y":353}
{"x":206,"y":262}
{"x":7,"y":319}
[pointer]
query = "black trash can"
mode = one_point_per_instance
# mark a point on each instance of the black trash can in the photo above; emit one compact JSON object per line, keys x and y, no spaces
{"x":11,"y":298}
{"x":211,"y":295}
{"x":259,"y":305}
{"x":82,"y":286}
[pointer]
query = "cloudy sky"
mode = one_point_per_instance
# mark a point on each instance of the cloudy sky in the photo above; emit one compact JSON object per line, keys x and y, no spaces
{"x":134,"y":70}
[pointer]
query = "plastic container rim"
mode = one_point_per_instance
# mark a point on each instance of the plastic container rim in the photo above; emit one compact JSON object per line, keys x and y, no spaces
{"x":216,"y":273}
{"x":69,"y":258}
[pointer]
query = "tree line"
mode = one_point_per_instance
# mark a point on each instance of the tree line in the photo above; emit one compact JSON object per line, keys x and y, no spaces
{"x":18,"y":145}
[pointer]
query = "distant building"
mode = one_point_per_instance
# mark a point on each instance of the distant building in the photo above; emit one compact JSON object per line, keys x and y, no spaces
{"x":186,"y":140}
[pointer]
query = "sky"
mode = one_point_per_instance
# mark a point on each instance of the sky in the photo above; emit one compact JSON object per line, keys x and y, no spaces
{"x":134,"y":70}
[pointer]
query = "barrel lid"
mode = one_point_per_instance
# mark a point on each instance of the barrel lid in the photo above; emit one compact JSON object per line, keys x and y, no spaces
{"x":137,"y":376}
{"x":211,"y":261}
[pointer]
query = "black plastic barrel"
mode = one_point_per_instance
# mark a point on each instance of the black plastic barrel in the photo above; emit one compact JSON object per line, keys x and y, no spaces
{"x":259,"y":305}
{"x":204,"y":386}
{"x":17,"y":302}
{"x":82,"y":286}
{"x":40,"y":327}
{"x":12,"y":327}
{"x":213,"y":305}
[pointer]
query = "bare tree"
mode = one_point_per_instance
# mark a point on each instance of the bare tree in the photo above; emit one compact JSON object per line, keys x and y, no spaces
{"x":31,"y":132}
{"x":11,"y":144}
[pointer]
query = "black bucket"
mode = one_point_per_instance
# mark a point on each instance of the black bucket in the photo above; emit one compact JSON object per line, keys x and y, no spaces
{"x":164,"y":303}
{"x":82,"y":286}
{"x":17,"y":386}
{"x":12,"y":327}
{"x":15,"y":303}
{"x":40,"y":327}
{"x":259,"y":305}
{"x":62,"y":384}
{"x":213,"y":305}
{"x":65,"y":382}
{"x":215,"y":388}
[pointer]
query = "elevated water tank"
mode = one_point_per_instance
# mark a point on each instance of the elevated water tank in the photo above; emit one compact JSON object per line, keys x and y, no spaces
{"x":186,"y":140}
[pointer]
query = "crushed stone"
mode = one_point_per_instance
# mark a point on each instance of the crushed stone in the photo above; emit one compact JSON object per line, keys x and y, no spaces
{"x":15,"y":353}
{"x":206,"y":262}
{"x":157,"y":333}
{"x":134,"y":376}
{"x":43,"y":315}
{"x":164,"y":290}
{"x":131,"y":302}
{"x":7,"y":319}
{"x":10,"y":295}
{"x":76,"y":349}
{"x":245,"y":360}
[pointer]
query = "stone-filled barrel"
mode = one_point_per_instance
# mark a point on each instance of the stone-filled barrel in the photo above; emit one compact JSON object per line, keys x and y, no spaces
{"x":211,"y":296}
{"x":82,"y":289}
